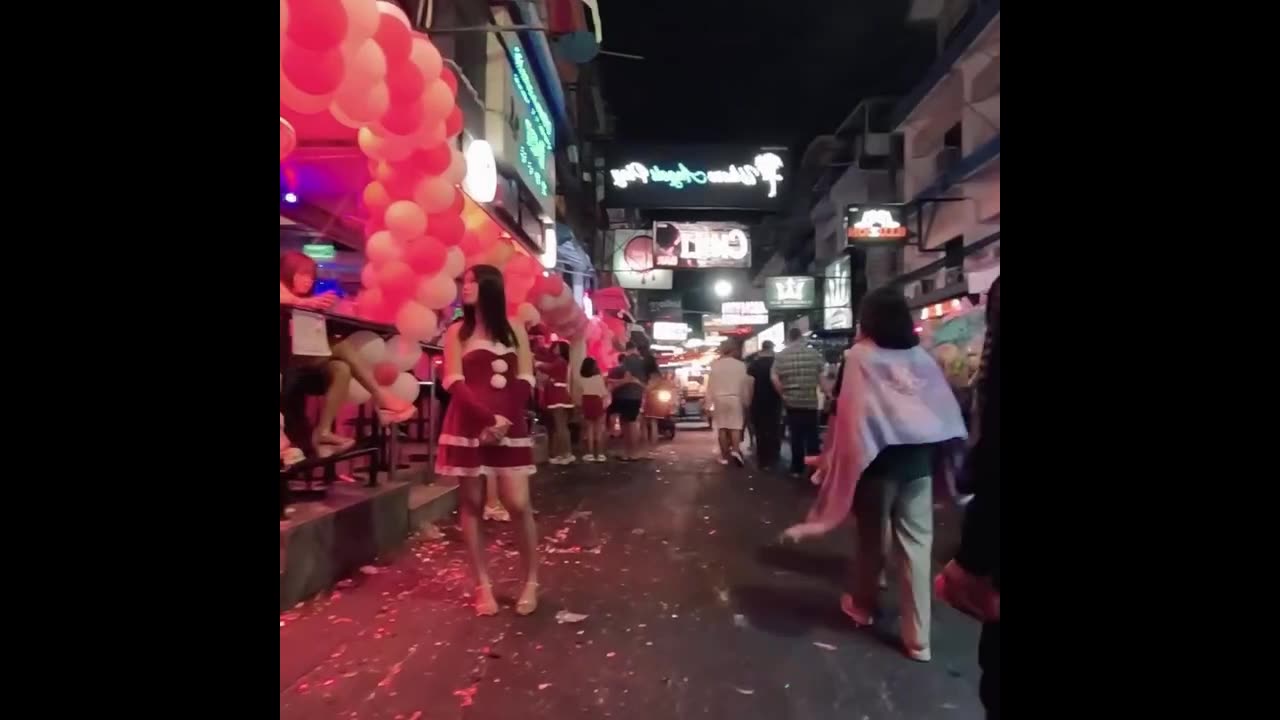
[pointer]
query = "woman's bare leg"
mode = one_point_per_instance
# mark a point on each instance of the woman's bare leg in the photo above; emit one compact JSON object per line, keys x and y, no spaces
{"x":360,"y":371}
{"x":560,"y":417}
{"x":334,"y":397}
{"x":470,"y":493}
{"x":493,"y":506}
{"x":515,"y":495}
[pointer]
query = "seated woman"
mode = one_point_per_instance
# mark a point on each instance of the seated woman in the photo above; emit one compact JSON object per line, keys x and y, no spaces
{"x":297,"y":285}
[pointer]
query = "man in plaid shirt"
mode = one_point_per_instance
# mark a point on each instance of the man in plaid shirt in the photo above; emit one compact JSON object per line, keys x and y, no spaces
{"x":796,"y":371}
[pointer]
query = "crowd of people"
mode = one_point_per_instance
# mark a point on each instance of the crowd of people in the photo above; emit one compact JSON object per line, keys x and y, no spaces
{"x":896,"y":439}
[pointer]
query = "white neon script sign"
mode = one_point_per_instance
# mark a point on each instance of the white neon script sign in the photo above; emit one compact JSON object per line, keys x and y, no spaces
{"x":765,"y":168}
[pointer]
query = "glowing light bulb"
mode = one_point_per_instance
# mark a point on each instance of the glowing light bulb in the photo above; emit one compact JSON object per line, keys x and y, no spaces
{"x":290,"y":198}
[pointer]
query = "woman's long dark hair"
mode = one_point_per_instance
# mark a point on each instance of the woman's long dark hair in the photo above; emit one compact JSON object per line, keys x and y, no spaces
{"x":292,"y":263}
{"x":562,"y":349}
{"x":886,"y":319}
{"x":590,"y":368}
{"x":491,"y":303}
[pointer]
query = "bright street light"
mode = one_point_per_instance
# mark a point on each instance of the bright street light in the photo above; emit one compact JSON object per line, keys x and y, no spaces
{"x":723,"y":288}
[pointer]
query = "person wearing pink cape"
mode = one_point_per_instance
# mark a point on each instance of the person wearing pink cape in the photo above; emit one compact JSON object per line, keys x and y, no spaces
{"x":897,"y":433}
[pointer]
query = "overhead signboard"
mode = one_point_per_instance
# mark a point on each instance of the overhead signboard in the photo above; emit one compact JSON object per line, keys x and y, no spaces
{"x":670,"y":331}
{"x":633,"y":266}
{"x":749,"y":312}
{"x":666,"y":309}
{"x":701,"y":245}
{"x":837,"y":295}
{"x":531,"y":139}
{"x":793,"y":292}
{"x":875,"y":224}
{"x":697,"y":176}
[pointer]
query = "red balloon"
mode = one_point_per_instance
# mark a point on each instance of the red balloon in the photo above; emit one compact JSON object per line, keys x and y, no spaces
{"x":472,"y":244}
{"x":453,"y":122}
{"x":433,"y":160}
{"x":318,"y":24}
{"x":450,"y":79}
{"x":447,"y":227}
{"x":426,"y":255}
{"x":404,"y":118}
{"x":405,"y":82}
{"x":385,"y":373}
{"x":315,"y":73}
{"x":459,"y":203}
{"x":397,"y":178}
{"x":393,"y":37}
{"x":397,"y":280}
{"x":374,"y":224}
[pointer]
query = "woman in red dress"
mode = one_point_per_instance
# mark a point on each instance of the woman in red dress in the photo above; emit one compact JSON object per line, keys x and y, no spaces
{"x":558,"y":402}
{"x":488,"y":372}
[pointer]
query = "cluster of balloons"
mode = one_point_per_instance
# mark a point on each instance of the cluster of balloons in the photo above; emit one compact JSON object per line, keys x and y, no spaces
{"x":361,"y":61}
{"x":391,"y":360}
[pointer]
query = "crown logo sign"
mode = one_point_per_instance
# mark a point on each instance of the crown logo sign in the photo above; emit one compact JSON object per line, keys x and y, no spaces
{"x":790,"y":290}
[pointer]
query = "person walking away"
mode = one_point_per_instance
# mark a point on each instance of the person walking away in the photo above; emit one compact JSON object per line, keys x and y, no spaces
{"x":766,"y":407}
{"x":650,"y":408}
{"x":796,"y":372}
{"x":627,"y":382}
{"x":897,"y":419}
{"x":971,"y":582}
{"x":595,"y":398}
{"x":729,"y":393}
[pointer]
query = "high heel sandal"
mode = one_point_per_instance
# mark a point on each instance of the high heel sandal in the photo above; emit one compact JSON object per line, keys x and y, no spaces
{"x":485,"y":604}
{"x":526,"y":605}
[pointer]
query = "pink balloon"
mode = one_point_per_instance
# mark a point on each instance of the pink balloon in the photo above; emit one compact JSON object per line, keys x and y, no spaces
{"x":317,"y":24}
{"x":369,"y":276}
{"x":299,"y":101}
{"x":380,"y":148}
{"x":404,"y":118}
{"x":406,"y":387}
{"x":427,"y":58}
{"x":437,"y":292}
{"x":437,"y":101}
{"x":393,"y":32}
{"x":375,"y":198}
{"x":363,"y":105}
{"x":528,"y":314}
{"x":397,"y":280}
{"x":405,"y":220}
{"x":434,"y":194}
{"x":382,"y":247}
{"x":362,"y":20}
{"x":455,"y":261}
{"x":416,"y":322}
{"x":395,"y":10}
{"x":313,"y":72}
{"x":405,"y":81}
{"x":433,"y":160}
{"x":370,"y":306}
{"x":457,"y":169}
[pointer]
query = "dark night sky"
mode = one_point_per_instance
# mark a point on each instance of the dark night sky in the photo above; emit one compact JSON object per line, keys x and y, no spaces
{"x":769,"y":71}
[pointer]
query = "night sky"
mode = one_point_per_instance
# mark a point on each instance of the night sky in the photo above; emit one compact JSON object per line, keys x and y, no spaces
{"x":768,"y":72}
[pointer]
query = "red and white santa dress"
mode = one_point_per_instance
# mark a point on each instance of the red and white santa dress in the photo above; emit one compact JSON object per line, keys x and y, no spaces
{"x":489,"y":386}
{"x":557,"y":394}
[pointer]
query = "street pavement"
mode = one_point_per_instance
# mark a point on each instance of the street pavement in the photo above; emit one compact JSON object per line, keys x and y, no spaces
{"x":692,"y":610}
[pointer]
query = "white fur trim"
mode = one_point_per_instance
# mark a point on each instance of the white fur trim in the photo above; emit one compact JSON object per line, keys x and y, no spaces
{"x":518,"y":470}
{"x":498,"y":382}
{"x":526,"y":378}
{"x":563,"y":385}
{"x":491,"y":346}
{"x":459,"y":441}
{"x":558,"y":406}
{"x":499,"y":365}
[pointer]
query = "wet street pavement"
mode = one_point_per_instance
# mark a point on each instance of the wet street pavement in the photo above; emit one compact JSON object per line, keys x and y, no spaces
{"x":692,"y":611}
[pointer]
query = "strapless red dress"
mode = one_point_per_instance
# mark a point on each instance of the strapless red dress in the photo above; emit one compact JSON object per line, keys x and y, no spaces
{"x":557,"y":392}
{"x":489,"y":386}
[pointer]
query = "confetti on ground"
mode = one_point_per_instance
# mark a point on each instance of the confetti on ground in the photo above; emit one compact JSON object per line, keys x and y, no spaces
{"x":544,"y":686}
{"x":564,"y":616}
{"x":369,"y":570}
{"x":466,"y":696}
{"x":431,"y":532}
{"x":740,"y":620}
{"x":745,"y":691}
{"x":824,"y":646}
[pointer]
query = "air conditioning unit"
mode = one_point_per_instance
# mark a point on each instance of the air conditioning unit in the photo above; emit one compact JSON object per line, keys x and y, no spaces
{"x":876,"y":144}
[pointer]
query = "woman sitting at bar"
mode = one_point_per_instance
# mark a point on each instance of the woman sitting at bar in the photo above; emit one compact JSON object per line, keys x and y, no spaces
{"x":342,"y":363}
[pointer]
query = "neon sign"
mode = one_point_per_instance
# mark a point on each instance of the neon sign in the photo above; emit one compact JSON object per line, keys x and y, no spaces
{"x":789,"y":292}
{"x":875,"y":223}
{"x":533,"y":129}
{"x":765,"y":168}
{"x":704,"y":244}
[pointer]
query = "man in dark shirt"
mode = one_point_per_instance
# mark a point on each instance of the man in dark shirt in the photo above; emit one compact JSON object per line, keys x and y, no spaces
{"x":766,"y":408}
{"x":627,"y":382}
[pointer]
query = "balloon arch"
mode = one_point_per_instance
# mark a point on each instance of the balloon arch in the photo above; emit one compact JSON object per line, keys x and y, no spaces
{"x":361,"y":61}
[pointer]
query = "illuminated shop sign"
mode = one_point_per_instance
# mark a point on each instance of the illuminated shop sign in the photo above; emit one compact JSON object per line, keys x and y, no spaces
{"x":697,"y":176}
{"x":749,"y":312}
{"x":701,"y":245}
{"x":874,"y":223}
{"x":789,"y":293}
{"x":319,"y":251}
{"x":531,"y":127}
{"x":670,"y":331}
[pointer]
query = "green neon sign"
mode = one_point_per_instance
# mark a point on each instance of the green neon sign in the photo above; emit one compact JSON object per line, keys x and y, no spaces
{"x":535,"y":133}
{"x":320,"y":252}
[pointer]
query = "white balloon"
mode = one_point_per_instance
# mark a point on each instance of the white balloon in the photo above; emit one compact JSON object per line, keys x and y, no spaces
{"x":405,"y":387}
{"x":437,"y":292}
{"x":356,"y":394}
{"x":371,"y":348}
{"x":362,"y":20}
{"x":403,"y":353}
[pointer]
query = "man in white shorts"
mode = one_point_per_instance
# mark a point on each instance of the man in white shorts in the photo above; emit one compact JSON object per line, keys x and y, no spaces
{"x":729,"y":392}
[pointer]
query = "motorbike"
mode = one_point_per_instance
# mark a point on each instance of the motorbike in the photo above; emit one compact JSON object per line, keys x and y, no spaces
{"x":661,"y":404}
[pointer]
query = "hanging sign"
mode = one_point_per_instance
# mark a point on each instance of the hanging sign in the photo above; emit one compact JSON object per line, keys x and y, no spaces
{"x":789,"y":293}
{"x":701,"y":245}
{"x":697,"y":177}
{"x":869,"y":224}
